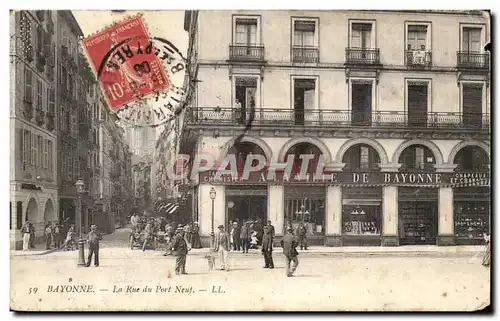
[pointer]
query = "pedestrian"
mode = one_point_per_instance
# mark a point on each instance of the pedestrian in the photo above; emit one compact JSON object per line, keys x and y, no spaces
{"x":271,"y":228}
{"x":32,"y":236}
{"x":70,"y":242}
{"x":180,"y":248}
{"x":26,"y":233}
{"x":222,"y":246}
{"x":94,"y":238}
{"x":148,"y":236}
{"x":289,"y":245}
{"x":487,"y":253}
{"x":235,"y":231}
{"x":267,"y":248}
{"x":245,"y":237}
{"x":134,"y":220}
{"x":302,"y":233}
{"x":187,"y":233}
{"x":57,"y":235}
{"x":195,"y":236}
{"x":48,"y":235}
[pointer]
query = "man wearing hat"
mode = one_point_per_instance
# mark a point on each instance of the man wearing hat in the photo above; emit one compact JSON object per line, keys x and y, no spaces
{"x":222,"y":246}
{"x":289,"y":245}
{"x":26,"y":232}
{"x":94,"y":238}
{"x":180,"y":247}
{"x":267,"y":248}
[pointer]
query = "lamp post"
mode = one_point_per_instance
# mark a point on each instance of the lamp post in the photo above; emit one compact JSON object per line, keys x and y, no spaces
{"x":80,"y":188}
{"x":212,"y":234}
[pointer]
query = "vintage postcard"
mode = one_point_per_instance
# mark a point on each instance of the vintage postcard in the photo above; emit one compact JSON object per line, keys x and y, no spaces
{"x":239,"y":160}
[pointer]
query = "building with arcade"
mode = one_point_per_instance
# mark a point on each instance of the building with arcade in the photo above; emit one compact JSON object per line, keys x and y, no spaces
{"x":395,"y":107}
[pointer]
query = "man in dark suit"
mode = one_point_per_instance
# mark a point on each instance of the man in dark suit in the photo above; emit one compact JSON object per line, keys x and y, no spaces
{"x":94,"y":238}
{"x":289,"y":245}
{"x":267,"y":248}
{"x":271,"y":228}
{"x":245,"y":237}
{"x":181,"y":248}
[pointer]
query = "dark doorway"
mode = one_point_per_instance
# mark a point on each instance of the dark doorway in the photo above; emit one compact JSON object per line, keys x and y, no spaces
{"x":472,"y":102}
{"x":417,"y":105}
{"x":361,"y":104}
{"x":248,"y":203}
{"x":19,"y":215}
{"x":303,"y":93}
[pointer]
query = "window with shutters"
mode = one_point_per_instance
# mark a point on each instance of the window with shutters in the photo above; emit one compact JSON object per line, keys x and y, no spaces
{"x":69,"y":172}
{"x":27,"y":148}
{"x":245,"y":31}
{"x":34,"y":150}
{"x":28,"y":85}
{"x":305,"y":40}
{"x":471,"y":39}
{"x":76,"y":169}
{"x":40,"y":143}
{"x":417,"y":37}
{"x":73,"y":128}
{"x":361,"y":35}
{"x":418,"y":100}
{"x":45,"y":153}
{"x":51,"y":100}
{"x":39,"y":95}
{"x":472,"y":104}
{"x":50,"y":155}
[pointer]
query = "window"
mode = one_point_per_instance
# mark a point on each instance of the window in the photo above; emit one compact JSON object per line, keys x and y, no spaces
{"x":73,"y":125}
{"x":472,"y":104}
{"x":245,"y":89}
{"x":70,"y":84}
{"x":361,"y":157}
{"x":39,"y":95}
{"x":69,"y":173}
{"x":65,"y":39}
{"x":361,"y":35}
{"x":416,"y":157}
{"x":304,"y":33}
{"x":45,"y":157}
{"x":304,"y":98}
{"x":28,"y":85}
{"x":362,"y":100}
{"x":51,"y":100}
{"x":471,"y":39}
{"x":27,"y":148}
{"x":417,"y":37}
{"x":418,"y":102}
{"x":34,"y":150}
{"x":39,"y":39}
{"x":76,"y":169}
{"x":64,"y":76}
{"x":245,"y":31}
{"x":40,"y":151}
{"x":49,"y":155}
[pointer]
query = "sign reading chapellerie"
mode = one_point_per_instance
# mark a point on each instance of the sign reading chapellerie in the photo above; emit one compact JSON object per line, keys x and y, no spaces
{"x":357,"y":178}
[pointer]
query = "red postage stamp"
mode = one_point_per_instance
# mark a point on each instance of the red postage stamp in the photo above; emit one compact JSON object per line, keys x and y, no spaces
{"x":124,"y":60}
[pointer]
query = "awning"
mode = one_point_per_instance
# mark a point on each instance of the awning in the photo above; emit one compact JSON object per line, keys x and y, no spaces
{"x":166,"y":207}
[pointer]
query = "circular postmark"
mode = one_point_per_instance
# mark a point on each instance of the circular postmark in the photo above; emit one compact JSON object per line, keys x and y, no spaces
{"x":136,"y":73}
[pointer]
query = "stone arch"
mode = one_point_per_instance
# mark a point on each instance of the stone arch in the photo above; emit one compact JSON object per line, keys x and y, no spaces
{"x":49,"y":211}
{"x":254,"y":140}
{"x":427,"y":143}
{"x":309,"y":140}
{"x":465,"y":143}
{"x":31,"y":210}
{"x":364,"y":141}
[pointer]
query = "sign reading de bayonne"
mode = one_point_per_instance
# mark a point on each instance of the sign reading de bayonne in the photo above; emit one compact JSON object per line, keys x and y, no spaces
{"x":356,"y":178}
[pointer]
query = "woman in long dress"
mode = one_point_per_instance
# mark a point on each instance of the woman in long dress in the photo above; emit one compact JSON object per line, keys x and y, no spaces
{"x":195,"y":236}
{"x":487,"y":253}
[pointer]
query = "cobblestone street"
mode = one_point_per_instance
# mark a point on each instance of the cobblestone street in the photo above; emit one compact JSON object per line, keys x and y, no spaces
{"x":331,"y":282}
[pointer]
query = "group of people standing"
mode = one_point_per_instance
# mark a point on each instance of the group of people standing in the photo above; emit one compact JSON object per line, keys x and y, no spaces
{"x":247,"y":236}
{"x":57,"y":235}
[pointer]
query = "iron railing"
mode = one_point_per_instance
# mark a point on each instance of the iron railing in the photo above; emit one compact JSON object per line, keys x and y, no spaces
{"x":418,"y":59}
{"x":467,"y":59}
{"x":337,"y":118}
{"x":246,"y":52}
{"x":362,"y":56}
{"x":306,"y":54}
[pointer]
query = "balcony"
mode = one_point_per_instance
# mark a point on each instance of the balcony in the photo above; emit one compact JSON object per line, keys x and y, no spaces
{"x":305,"y":54}
{"x":246,"y":53}
{"x":362,"y":56}
{"x":51,"y":121}
{"x":271,"y":117}
{"x":40,"y":61}
{"x":28,"y":109}
{"x":40,"y":117}
{"x":472,"y":60}
{"x":418,"y":59}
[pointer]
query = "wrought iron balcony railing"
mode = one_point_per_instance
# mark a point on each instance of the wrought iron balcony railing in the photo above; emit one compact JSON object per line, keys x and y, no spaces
{"x":246,"y":52}
{"x":307,"y":54}
{"x":418,"y":59}
{"x":473,"y":60}
{"x":362,"y":56}
{"x":337,"y":118}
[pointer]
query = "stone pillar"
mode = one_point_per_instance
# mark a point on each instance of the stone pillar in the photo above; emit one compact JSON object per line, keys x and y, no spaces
{"x":275,"y":208}
{"x":446,"y":220}
{"x":390,"y":235}
{"x":333,"y":213}
{"x":390,"y":209}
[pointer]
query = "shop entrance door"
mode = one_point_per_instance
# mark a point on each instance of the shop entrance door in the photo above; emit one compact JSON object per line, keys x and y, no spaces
{"x":418,"y":222}
{"x":247,"y":203}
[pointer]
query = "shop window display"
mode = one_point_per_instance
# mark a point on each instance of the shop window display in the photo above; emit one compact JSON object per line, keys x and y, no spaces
{"x":361,"y":220}
{"x":471,"y":219}
{"x":309,"y":212}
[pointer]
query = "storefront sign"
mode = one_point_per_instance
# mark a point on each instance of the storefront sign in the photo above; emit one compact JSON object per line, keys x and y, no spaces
{"x":351,"y":178}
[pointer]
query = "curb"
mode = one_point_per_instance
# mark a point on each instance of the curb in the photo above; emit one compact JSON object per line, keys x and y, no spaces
{"x":33,"y":253}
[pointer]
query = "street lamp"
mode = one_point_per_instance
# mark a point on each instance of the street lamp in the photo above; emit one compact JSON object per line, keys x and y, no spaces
{"x":212,"y":234}
{"x":80,"y":188}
